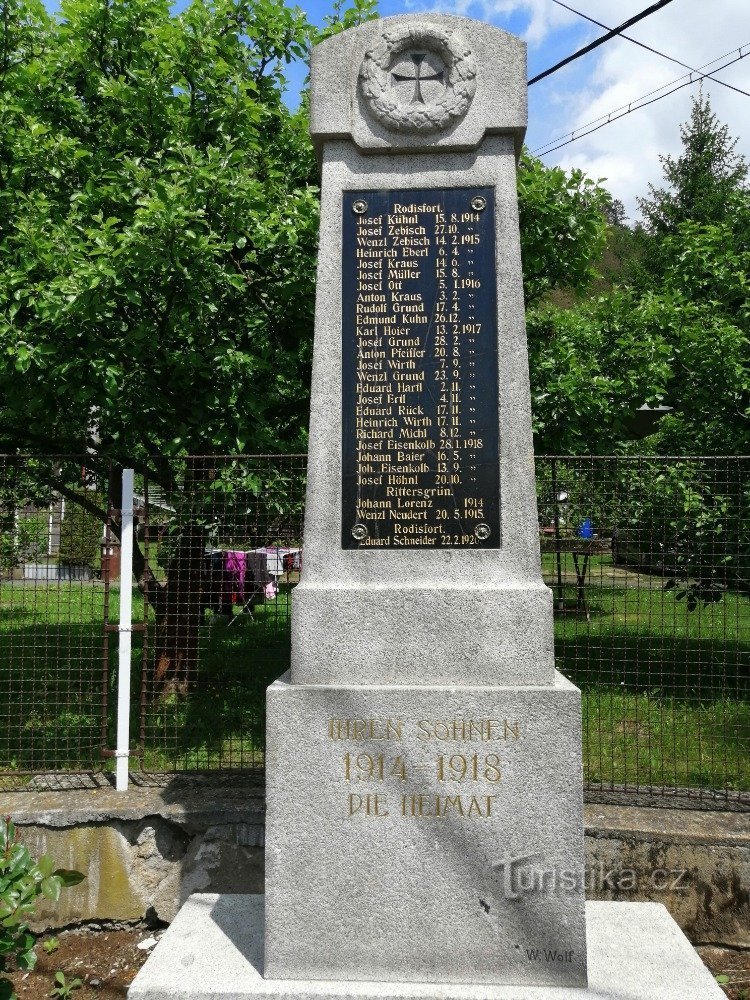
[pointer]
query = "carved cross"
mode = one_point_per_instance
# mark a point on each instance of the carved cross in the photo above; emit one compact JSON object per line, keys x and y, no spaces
{"x":418,"y":58}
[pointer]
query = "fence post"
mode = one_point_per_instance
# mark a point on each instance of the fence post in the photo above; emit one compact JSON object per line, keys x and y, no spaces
{"x":125,"y":631}
{"x":560,"y":603}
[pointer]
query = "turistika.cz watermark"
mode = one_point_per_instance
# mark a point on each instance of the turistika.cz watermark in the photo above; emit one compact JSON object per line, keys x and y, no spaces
{"x":524,"y":874}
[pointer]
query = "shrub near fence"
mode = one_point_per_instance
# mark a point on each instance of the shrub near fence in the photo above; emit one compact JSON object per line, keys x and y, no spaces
{"x":648,"y":560}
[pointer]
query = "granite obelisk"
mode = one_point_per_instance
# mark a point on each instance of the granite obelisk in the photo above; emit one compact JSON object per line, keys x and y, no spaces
{"x":423,"y":733}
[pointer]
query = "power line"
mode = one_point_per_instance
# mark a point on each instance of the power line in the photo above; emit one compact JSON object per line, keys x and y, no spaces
{"x":600,"y":41}
{"x":649,"y":48}
{"x":629,"y":109}
{"x":637,"y":101}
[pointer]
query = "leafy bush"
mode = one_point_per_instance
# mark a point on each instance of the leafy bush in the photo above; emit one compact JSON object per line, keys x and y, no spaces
{"x":80,"y":534}
{"x":22,"y":881}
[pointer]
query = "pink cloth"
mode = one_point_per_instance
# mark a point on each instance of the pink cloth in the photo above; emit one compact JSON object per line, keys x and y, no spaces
{"x":235,"y":570}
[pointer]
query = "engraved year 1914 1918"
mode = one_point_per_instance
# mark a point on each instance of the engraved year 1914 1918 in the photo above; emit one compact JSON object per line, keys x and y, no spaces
{"x":420,"y":370}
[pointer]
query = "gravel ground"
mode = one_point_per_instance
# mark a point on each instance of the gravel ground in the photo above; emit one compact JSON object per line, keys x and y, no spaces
{"x":733,"y":964}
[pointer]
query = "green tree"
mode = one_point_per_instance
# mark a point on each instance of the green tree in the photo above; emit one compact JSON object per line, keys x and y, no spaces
{"x":158,"y":225}
{"x":563,"y":227}
{"x":673,"y":326}
{"x":591,"y":366}
{"x":158,"y":213}
{"x":697,"y":262}
{"x":706,"y":296}
{"x":158,"y":236}
{"x":701,"y":180}
{"x":158,"y":230}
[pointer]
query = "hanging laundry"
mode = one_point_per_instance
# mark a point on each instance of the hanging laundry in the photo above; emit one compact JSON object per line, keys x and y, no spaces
{"x":235,"y":570}
{"x":279,"y":559}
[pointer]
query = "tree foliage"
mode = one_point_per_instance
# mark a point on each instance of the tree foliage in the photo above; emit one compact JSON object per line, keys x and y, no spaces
{"x":159,"y":218}
{"x":701,"y":181}
{"x":672,"y":326}
{"x":80,"y":533}
{"x":563,"y":227}
{"x":159,"y":211}
{"x":698,"y":259}
{"x":588,"y":365}
{"x":158,"y":231}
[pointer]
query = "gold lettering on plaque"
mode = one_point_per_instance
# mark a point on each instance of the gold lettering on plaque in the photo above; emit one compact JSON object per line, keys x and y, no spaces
{"x":367,"y":805}
{"x":365,"y":729}
{"x":422,"y":354}
{"x":468,"y":730}
{"x":421,"y":806}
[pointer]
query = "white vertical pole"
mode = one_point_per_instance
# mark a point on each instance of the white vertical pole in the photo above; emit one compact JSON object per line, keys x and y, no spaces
{"x":122,"y":751}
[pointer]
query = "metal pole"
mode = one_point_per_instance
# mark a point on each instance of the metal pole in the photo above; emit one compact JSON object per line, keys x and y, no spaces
{"x":560,"y":603}
{"x":125,"y":629}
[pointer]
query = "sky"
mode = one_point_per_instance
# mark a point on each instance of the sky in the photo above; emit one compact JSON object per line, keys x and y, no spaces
{"x":626,"y":152}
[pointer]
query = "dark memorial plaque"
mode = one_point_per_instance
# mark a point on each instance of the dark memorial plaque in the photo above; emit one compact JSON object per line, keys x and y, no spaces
{"x":420,"y":460}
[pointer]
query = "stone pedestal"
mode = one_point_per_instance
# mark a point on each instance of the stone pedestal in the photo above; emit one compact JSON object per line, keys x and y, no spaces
{"x":412,"y":611}
{"x":425,"y":834}
{"x":423,"y":758}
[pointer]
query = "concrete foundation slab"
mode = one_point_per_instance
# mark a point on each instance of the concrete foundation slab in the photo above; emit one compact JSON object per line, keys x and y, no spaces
{"x":214,"y":949}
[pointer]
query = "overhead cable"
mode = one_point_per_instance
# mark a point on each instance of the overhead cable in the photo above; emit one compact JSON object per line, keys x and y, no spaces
{"x":600,"y":41}
{"x":649,"y":48}
{"x":635,"y":105}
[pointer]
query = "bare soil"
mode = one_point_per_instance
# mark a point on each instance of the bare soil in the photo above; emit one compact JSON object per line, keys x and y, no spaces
{"x":731,"y":963}
{"x":106,"y":962}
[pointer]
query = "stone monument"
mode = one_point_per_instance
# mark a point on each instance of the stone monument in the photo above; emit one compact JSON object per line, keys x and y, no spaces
{"x":424,"y":783}
{"x":438,"y":742}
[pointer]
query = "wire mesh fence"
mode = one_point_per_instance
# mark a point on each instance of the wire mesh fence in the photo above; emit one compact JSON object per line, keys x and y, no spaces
{"x":222,"y":547}
{"x":649,"y":563}
{"x":648,"y":560}
{"x":54,"y":668}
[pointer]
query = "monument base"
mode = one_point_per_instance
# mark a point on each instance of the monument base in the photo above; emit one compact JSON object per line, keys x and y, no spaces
{"x":420,"y":833}
{"x":214,"y":949}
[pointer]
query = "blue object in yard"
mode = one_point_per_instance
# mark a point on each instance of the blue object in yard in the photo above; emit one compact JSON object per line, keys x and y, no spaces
{"x":586,"y":530}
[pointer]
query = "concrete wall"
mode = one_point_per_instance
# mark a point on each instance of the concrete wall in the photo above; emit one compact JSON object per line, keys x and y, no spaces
{"x":147,"y":850}
{"x":696,"y":863}
{"x":144,"y":851}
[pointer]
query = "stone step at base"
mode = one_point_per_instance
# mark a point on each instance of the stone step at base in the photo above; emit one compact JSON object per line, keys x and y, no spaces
{"x":214,"y":949}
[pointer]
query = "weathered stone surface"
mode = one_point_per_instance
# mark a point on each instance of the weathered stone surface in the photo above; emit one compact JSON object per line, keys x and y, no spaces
{"x":442,"y":804}
{"x":194,"y":802}
{"x":145,"y":851}
{"x":451,"y":102}
{"x":463,"y":617}
{"x":623,"y":845}
{"x":696,"y":863}
{"x":215,"y":950}
{"x":498,"y":106}
{"x":143,"y":869}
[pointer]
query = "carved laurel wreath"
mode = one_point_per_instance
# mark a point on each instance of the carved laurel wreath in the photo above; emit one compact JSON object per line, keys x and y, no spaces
{"x":461,"y":71}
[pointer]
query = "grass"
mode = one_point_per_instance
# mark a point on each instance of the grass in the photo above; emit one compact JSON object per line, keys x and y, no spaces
{"x":666,"y":691}
{"x":222,"y":722}
{"x":52,"y":685}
